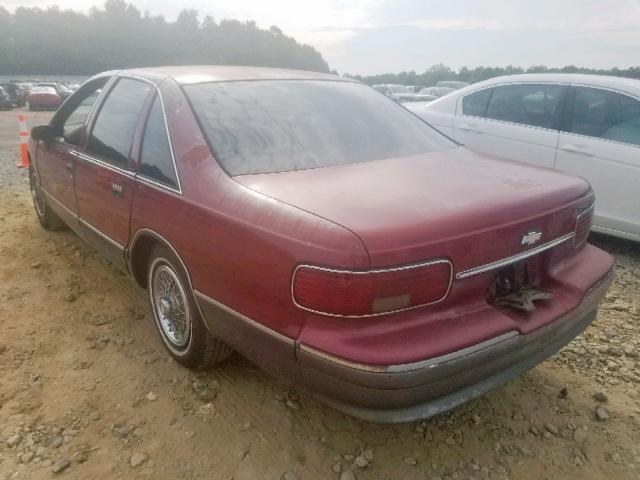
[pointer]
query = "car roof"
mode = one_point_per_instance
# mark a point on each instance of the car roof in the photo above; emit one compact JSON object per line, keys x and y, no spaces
{"x":185,"y":75}
{"x":599,"y":80}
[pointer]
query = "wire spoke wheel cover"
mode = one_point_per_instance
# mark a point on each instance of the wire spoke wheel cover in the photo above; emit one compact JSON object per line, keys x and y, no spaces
{"x":170,"y":306}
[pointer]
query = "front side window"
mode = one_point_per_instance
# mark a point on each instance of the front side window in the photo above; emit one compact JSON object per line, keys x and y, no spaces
{"x":269,"y":126}
{"x":527,"y":104}
{"x":71,"y":119}
{"x":156,"y":161}
{"x":475,"y":104}
{"x":113,"y":131}
{"x":605,"y":114}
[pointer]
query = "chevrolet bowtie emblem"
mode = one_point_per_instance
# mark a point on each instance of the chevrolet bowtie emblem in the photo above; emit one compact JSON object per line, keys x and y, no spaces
{"x":531,"y":238}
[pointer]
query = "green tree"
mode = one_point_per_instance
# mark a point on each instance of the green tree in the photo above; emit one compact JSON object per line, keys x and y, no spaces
{"x":55,"y":41}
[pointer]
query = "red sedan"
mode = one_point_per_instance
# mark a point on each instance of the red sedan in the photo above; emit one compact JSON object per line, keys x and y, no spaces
{"x":323,"y":231}
{"x":43,"y":98}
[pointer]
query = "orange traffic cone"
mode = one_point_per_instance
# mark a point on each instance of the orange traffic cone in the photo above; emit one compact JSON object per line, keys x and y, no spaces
{"x":24,"y":138}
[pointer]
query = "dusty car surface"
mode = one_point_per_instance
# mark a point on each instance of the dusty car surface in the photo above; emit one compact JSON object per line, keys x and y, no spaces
{"x":323,"y":231}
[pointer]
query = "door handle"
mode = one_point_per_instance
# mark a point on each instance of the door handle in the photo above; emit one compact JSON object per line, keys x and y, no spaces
{"x":68,"y":165}
{"x":117,"y":189}
{"x":581,"y":149}
{"x":469,"y":128}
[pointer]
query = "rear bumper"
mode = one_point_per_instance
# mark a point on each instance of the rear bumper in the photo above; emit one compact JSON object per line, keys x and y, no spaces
{"x":402,"y":393}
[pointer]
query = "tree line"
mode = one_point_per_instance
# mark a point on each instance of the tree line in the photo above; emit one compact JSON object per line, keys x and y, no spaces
{"x":64,"y":42}
{"x":439,"y":72}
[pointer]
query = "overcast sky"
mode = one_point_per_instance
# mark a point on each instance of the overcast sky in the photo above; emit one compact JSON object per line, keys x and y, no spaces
{"x":377,"y":36}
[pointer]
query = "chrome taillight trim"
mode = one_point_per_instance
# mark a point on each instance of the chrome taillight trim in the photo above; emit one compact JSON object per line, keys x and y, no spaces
{"x":503,"y":262}
{"x":365,"y":272}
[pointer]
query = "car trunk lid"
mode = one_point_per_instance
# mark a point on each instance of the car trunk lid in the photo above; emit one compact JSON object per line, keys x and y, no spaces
{"x":470,"y":208}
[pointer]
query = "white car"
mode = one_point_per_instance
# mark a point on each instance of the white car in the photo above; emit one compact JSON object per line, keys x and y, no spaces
{"x":587,"y":125}
{"x":401,"y":93}
{"x":436,"y":91}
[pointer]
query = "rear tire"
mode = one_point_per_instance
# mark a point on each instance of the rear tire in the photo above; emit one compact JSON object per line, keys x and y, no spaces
{"x":177,"y":316}
{"x":47,"y":217}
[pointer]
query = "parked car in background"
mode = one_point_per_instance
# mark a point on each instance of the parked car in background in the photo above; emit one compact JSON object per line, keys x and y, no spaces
{"x":5,"y":100}
{"x":323,"y":231}
{"x":60,"y":89}
{"x":16,"y":93}
{"x":399,"y":93}
{"x":586,"y":125}
{"x":25,"y":86}
{"x":43,"y":98}
{"x":456,"y":85}
{"x":436,"y":92}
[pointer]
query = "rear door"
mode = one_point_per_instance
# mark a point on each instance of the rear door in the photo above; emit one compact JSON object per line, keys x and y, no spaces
{"x":516,"y":121}
{"x":601,"y":142}
{"x":104,"y":173}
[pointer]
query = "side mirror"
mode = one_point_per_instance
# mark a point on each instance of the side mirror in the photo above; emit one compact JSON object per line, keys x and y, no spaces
{"x":46,"y":133}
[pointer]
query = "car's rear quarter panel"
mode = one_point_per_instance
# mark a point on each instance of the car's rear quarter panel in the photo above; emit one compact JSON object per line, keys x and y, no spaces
{"x":239,"y":246}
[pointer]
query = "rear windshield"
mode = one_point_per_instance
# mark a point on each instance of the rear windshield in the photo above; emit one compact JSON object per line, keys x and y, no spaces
{"x":281,"y":125}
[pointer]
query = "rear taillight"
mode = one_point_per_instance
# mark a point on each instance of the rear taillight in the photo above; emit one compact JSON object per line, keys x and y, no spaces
{"x":374,"y":292}
{"x":583,"y":224}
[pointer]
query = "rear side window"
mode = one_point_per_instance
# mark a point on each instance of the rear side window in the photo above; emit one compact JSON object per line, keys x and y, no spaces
{"x":112,"y":133}
{"x":475,"y":104}
{"x":527,"y":104}
{"x":604,"y":114}
{"x":156,"y":161}
{"x":270,"y":126}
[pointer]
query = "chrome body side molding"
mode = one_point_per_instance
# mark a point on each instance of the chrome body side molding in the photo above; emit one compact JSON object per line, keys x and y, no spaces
{"x":408,"y":367}
{"x":243,"y":318}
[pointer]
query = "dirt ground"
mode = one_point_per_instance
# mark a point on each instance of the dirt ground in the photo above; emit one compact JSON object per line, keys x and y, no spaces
{"x":87,"y":391}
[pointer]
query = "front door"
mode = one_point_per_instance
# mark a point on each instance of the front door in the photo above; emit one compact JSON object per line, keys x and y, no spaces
{"x":104,"y":174}
{"x":57,"y":163}
{"x":602,"y":144}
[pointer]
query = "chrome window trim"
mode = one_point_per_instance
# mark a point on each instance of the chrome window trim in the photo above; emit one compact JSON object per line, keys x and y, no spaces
{"x":408,"y":367}
{"x":605,"y":140}
{"x":155,"y":183}
{"x":524,"y":125}
{"x":131,"y":173}
{"x":102,"y":163}
{"x":166,"y":127}
{"x":365,"y":272}
{"x":514,"y":258}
